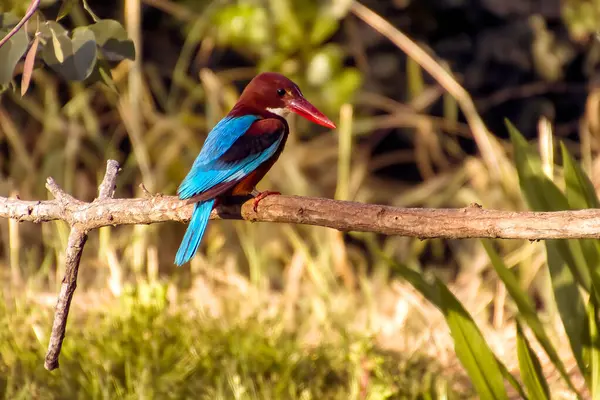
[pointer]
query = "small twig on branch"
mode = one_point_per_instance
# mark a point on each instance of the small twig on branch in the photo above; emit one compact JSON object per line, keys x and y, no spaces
{"x":75,"y":244}
{"x":468,"y":222}
{"x":106,"y":190}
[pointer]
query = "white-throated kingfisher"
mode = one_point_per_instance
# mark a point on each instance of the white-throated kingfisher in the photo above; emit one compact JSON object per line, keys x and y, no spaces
{"x":241,"y":149}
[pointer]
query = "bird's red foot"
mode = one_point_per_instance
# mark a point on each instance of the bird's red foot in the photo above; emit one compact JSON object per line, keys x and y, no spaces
{"x":261,"y":196}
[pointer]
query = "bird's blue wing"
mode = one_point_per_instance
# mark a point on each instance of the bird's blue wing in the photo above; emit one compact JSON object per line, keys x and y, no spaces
{"x":223,"y":136}
{"x":235,"y":162}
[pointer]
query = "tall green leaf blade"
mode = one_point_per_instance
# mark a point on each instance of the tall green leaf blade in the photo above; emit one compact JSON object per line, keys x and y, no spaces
{"x":471,"y":348}
{"x":418,"y":282}
{"x":531,"y":370}
{"x":540,"y":192}
{"x":592,"y":347}
{"x":579,"y":188}
{"x":526,"y":309}
{"x":566,"y":259}
{"x":581,"y":194}
{"x":461,"y":321}
{"x":511,"y":379}
{"x":543,"y":195}
{"x":569,"y":301}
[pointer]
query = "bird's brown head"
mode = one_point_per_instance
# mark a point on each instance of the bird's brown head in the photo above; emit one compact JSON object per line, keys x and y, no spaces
{"x":276,"y":94}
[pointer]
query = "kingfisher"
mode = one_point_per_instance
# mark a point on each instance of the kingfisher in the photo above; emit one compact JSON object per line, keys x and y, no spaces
{"x":240,"y":150}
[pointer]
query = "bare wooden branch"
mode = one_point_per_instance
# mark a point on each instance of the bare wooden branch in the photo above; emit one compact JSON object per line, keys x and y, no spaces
{"x":77,"y":239}
{"x":469,"y":222}
{"x":461,"y":223}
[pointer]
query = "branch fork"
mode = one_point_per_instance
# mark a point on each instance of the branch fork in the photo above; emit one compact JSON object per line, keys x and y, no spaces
{"x":75,"y":244}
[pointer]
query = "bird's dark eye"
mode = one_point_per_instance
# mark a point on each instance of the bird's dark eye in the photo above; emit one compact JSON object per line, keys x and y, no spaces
{"x":281,"y":92}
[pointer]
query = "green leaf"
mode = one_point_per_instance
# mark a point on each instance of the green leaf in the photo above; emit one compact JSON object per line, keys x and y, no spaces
{"x":87,"y":8}
{"x":579,"y":188}
{"x":57,"y":45}
{"x":471,"y":348}
{"x":511,"y":379}
{"x":540,"y":192}
{"x":113,"y":40}
{"x":526,"y":308}
{"x":543,"y":195}
{"x":463,"y":325}
{"x":49,"y":28}
{"x":568,"y":300}
{"x":530,"y":368}
{"x":581,"y":194}
{"x":13,"y":49}
{"x":419,"y":283}
{"x":592,"y":347}
{"x":102,"y":73}
{"x":65,"y":8}
{"x":79,"y":54}
{"x":106,"y":75}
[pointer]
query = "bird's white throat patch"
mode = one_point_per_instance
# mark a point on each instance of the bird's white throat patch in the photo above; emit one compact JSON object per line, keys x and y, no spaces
{"x":282,"y":112}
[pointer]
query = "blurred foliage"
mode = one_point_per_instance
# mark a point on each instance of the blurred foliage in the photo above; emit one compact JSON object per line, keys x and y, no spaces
{"x":582,"y":17}
{"x":292,"y":37}
{"x":75,"y":56}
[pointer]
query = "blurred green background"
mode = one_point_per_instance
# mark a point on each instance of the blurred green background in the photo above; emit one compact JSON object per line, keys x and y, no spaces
{"x":271,"y":310}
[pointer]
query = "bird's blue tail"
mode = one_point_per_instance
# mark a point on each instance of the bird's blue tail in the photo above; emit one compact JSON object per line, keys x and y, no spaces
{"x":195,"y":231}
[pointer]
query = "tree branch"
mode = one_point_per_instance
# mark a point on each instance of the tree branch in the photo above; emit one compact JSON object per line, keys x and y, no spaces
{"x":460,"y":223}
{"x":77,"y":239}
{"x":469,"y":222}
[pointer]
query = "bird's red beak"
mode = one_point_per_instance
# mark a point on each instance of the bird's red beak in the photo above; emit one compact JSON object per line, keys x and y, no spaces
{"x":302,"y":107}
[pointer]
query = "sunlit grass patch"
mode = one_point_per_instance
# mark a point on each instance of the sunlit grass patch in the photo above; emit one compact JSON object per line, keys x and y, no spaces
{"x":143,"y":347}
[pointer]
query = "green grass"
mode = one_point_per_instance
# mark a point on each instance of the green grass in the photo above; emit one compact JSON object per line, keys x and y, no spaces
{"x":144,"y":347}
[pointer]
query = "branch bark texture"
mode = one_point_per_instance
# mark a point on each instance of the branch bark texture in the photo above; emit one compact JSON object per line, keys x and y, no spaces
{"x":469,"y":222}
{"x":460,"y":223}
